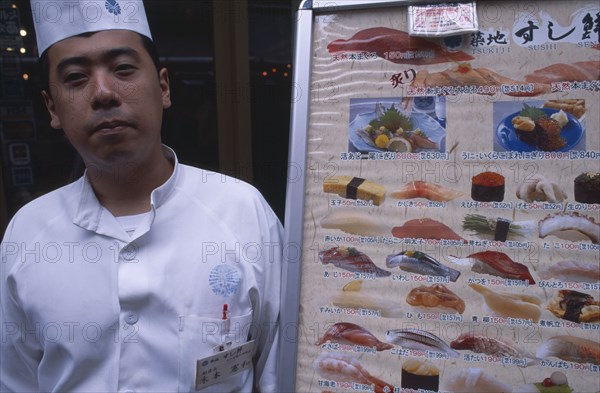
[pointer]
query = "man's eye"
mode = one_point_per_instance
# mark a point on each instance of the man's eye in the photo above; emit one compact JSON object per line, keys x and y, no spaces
{"x":74,"y":76}
{"x":124,"y":68}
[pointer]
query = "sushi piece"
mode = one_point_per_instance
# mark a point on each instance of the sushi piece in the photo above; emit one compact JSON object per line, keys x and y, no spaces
{"x":549,"y":138}
{"x":349,"y":258}
{"x":545,"y":134}
{"x":349,"y":333}
{"x":355,"y":188}
{"x":436,"y":295}
{"x":571,"y":349}
{"x":355,"y":222}
{"x":559,"y":224}
{"x":525,"y":129}
{"x":473,"y":380}
{"x":559,"y":72}
{"x":430,"y":191}
{"x":587,"y":187}
{"x":487,"y":187}
{"x":489,"y":346}
{"x":549,"y":125}
{"x":382,"y":40}
{"x":556,"y":383}
{"x":420,"y":375}
{"x":510,"y":305}
{"x":421,"y":263}
{"x":500,"y":229}
{"x":539,"y":188}
{"x":345,"y":368}
{"x":497,"y":264}
{"x":572,"y":271}
{"x":425,"y":228}
{"x":419,"y":340}
{"x":419,"y":139}
{"x":576,"y":107}
{"x":575,"y":307}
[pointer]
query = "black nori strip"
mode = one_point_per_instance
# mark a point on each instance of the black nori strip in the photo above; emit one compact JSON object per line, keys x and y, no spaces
{"x":502,"y":227}
{"x":352,"y":187}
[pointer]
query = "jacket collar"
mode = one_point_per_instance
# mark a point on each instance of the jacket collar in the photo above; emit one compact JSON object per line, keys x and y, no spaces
{"x":92,"y":216}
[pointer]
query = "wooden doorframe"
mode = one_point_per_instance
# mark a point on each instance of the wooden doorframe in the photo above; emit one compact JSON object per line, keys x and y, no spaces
{"x":232,"y":76}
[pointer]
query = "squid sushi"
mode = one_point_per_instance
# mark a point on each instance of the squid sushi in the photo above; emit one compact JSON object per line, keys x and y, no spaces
{"x":473,"y":380}
{"x":354,"y":222}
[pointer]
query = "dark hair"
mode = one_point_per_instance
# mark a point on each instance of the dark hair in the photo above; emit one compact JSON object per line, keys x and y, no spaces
{"x":44,"y":65}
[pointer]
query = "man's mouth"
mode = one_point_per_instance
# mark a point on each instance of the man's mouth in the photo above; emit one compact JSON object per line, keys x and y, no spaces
{"x":109,"y":126}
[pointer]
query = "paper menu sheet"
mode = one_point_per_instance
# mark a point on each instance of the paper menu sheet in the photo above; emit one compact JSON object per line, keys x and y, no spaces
{"x":463,"y":94}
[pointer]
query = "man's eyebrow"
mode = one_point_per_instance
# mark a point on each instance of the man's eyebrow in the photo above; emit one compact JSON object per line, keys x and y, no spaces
{"x":104,"y":56}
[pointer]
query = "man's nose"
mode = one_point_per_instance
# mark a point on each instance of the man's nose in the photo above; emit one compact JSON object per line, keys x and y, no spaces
{"x":105,"y":91}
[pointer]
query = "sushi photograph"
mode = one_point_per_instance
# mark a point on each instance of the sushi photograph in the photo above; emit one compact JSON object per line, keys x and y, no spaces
{"x":398,"y":125}
{"x":538,"y":126}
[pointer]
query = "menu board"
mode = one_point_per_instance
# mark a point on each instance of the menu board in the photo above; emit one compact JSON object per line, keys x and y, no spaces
{"x":451,"y":230}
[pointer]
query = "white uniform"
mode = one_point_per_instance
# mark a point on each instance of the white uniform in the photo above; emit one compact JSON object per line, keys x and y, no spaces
{"x":88,"y":307}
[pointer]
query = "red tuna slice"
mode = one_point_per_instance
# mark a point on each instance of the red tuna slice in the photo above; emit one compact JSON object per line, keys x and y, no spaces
{"x":425,"y":228}
{"x":500,"y":264}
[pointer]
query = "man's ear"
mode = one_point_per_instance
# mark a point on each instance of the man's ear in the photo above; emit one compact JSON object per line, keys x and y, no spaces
{"x":163,"y":80}
{"x":54,"y":120}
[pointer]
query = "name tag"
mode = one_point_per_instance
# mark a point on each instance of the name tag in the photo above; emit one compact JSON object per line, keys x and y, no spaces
{"x":222,"y":365}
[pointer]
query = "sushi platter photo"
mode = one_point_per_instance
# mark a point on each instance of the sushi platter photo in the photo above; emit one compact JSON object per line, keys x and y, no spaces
{"x":540,"y":126}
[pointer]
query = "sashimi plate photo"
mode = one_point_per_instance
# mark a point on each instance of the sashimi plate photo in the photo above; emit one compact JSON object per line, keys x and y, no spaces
{"x":412,"y":132}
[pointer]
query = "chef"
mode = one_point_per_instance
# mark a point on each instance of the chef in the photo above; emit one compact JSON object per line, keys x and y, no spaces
{"x":145,"y":274}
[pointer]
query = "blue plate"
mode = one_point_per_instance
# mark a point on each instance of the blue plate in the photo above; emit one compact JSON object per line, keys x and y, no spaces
{"x":507,"y":137}
{"x":426,"y":123}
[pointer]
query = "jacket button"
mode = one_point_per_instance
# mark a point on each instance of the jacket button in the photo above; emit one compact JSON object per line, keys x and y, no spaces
{"x":131,"y":318}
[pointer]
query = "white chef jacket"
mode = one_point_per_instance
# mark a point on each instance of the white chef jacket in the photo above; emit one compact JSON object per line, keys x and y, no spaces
{"x":87,"y":307}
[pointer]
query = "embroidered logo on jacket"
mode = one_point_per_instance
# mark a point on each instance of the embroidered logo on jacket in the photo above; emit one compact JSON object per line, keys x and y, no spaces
{"x":224,"y":280}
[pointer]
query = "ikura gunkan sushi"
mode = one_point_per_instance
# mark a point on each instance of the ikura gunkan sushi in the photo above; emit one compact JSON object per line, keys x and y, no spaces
{"x":487,"y":187}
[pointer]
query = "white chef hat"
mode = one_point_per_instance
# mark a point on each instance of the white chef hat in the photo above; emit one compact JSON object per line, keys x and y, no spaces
{"x":56,"y":20}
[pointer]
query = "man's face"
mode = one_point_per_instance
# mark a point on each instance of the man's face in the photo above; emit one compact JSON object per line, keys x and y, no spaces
{"x":107,"y":97}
